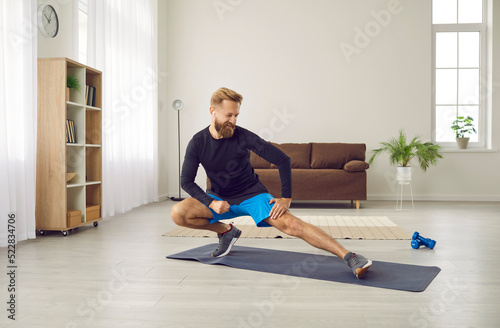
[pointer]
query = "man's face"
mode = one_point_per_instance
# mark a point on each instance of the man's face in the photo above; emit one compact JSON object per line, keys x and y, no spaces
{"x":225,"y":117}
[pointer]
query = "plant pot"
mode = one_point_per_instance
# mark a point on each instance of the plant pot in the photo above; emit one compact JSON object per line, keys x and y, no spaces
{"x":462,"y":143}
{"x":67,"y":94}
{"x":403,"y":173}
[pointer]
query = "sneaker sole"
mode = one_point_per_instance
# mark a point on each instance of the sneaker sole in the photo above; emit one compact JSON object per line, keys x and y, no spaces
{"x":230,"y":246}
{"x":361,"y":271}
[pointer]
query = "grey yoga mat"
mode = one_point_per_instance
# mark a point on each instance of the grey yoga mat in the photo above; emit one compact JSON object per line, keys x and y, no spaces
{"x":413,"y":278}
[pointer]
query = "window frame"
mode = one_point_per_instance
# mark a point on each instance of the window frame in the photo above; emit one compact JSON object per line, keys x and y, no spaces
{"x":482,"y":125}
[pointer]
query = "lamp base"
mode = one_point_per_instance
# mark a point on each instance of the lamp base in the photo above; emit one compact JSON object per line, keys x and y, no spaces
{"x":176,"y":199}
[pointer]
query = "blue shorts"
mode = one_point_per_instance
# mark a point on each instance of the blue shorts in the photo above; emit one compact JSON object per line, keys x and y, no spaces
{"x":257,"y":207}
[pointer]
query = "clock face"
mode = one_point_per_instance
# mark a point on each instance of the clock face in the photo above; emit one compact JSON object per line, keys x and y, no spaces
{"x":48,"y":21}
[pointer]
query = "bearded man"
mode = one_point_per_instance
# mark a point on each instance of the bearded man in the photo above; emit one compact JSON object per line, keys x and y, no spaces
{"x":223,"y":149}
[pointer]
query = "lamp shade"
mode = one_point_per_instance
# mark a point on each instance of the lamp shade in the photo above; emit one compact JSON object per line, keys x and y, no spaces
{"x":177,"y":104}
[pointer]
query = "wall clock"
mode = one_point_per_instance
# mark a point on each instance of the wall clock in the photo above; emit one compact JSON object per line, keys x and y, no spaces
{"x":48,"y":22}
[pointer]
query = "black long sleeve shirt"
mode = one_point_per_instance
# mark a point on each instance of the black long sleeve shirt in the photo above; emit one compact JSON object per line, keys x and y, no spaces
{"x":227,"y":165}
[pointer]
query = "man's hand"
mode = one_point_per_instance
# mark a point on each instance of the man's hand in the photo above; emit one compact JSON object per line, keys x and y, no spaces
{"x":280,"y":207}
{"x":219,"y":206}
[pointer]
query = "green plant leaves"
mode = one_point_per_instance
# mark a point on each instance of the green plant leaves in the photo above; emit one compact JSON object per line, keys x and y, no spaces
{"x":72,"y":82}
{"x":401,"y":152}
{"x":463,"y":125}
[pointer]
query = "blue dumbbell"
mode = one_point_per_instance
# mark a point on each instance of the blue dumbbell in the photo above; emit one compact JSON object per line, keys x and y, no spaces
{"x":418,"y":241}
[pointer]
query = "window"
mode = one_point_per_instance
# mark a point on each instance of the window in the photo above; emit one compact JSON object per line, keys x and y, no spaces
{"x":459,"y":67}
{"x":82,"y":31}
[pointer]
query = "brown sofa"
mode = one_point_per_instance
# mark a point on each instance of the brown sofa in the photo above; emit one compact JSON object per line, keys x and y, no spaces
{"x":320,"y":171}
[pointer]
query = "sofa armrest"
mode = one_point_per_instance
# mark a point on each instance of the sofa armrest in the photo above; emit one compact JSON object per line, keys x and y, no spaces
{"x":356,"y":166}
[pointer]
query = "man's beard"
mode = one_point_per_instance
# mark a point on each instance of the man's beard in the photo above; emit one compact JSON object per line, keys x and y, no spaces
{"x":226,"y":130}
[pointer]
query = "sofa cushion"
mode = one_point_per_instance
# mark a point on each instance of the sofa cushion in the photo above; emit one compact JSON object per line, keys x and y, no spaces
{"x":335,"y":155}
{"x":258,"y":162}
{"x":356,"y":166}
{"x":321,"y":184}
{"x":299,"y":153}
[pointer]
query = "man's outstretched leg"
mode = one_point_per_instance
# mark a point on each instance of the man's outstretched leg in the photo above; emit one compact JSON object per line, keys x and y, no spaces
{"x":291,"y":225}
{"x":192,"y":214}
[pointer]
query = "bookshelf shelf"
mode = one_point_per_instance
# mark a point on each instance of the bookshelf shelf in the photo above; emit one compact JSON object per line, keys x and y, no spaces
{"x":56,"y":199}
{"x":71,"y":104}
{"x":73,"y":185}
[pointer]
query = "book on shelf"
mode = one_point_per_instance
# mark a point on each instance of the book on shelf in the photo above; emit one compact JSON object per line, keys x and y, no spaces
{"x":70,"y":131}
{"x":86,"y":94}
{"x":90,"y":94}
{"x":67,"y":131}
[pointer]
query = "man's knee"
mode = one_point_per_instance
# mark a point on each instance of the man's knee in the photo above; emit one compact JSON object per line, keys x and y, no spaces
{"x":182,"y":213}
{"x":292,"y":225}
{"x":178,"y":214}
{"x":296,"y":225}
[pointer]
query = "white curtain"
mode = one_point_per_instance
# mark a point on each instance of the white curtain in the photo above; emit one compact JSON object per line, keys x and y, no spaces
{"x":122,"y":43}
{"x":18,"y":113}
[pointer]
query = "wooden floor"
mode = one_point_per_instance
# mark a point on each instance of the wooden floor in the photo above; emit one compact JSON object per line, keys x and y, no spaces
{"x":116,"y":275}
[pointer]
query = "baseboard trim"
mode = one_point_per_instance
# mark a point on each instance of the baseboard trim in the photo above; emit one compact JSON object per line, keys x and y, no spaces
{"x":162,"y":198}
{"x":442,"y":198}
{"x":169,"y":196}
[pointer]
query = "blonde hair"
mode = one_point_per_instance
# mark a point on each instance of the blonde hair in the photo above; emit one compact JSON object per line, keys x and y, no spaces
{"x":225,"y":94}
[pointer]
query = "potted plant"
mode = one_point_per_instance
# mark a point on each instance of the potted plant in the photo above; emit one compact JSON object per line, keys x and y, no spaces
{"x":71,"y":83}
{"x":401,"y":153}
{"x":462,"y":126}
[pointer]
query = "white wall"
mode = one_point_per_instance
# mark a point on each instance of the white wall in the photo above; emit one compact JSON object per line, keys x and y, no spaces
{"x":285,"y":58}
{"x":65,"y":44}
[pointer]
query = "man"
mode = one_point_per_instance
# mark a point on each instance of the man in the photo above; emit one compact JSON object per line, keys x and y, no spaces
{"x":224,"y":151}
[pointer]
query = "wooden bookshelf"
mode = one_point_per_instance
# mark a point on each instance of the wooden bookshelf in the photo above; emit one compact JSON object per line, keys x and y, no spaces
{"x":57,"y":199}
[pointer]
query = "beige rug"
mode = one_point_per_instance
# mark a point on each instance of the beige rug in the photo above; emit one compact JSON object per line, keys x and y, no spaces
{"x":339,"y":227}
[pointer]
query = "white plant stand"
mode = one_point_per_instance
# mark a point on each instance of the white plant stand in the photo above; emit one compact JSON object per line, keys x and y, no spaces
{"x":403,"y":178}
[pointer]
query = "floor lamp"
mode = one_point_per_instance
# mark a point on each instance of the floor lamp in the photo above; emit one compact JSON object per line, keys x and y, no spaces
{"x":177,"y":105}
